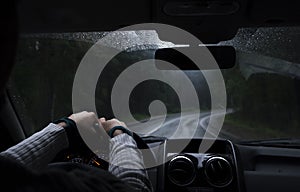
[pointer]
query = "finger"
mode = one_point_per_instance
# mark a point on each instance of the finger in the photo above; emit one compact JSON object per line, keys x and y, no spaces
{"x":123,"y":124}
{"x":91,"y":114}
{"x":102,"y":120}
{"x":116,"y":120}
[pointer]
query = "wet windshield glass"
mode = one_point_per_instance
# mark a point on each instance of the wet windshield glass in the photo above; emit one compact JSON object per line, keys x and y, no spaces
{"x":263,"y":89}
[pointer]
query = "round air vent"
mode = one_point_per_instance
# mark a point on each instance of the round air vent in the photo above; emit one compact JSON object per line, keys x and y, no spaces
{"x":181,"y":170}
{"x":218,"y":171}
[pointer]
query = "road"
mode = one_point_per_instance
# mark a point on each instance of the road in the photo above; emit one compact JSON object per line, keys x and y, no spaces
{"x":170,"y":126}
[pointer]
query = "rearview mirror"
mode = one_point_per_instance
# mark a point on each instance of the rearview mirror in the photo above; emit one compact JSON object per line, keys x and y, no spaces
{"x":225,"y":57}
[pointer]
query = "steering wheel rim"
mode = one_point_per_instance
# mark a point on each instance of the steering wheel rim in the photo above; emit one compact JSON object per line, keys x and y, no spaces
{"x":147,"y":154}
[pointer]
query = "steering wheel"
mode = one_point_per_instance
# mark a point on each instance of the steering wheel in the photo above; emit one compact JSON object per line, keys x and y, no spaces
{"x":147,"y":154}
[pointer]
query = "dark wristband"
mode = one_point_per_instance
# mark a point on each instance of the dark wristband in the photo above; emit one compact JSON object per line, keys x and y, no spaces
{"x":73,"y":134}
{"x":69,"y":122}
{"x":112,"y":130}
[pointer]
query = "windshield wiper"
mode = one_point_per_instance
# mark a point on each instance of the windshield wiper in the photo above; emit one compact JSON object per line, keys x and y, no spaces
{"x":288,"y":143}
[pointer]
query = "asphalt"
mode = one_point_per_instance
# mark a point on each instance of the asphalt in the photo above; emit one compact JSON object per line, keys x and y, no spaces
{"x":192,"y":126}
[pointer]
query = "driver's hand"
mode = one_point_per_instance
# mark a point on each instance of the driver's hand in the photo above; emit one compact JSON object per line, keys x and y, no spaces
{"x":86,"y":122}
{"x":91,"y":131}
{"x":109,"y":124}
{"x":85,"y":119}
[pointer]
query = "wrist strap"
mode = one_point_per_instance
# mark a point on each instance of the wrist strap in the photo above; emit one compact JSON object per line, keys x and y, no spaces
{"x":112,"y":130}
{"x":70,"y":123}
{"x":73,"y":134}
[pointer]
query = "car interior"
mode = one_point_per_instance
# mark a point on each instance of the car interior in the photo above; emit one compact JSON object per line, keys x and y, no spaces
{"x":255,"y":43}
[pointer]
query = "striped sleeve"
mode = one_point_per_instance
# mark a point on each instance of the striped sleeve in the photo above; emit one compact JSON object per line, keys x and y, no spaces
{"x":126,"y":162}
{"x":39,"y":149}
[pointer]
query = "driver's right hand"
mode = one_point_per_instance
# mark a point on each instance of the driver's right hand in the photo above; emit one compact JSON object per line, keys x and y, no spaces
{"x":109,"y":124}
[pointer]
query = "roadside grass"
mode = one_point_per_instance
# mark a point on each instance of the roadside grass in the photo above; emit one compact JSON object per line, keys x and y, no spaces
{"x":248,"y":130}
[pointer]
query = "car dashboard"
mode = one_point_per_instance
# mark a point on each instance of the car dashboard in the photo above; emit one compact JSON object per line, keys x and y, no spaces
{"x":225,"y":166}
{"x":220,"y":166}
{"x":216,"y":169}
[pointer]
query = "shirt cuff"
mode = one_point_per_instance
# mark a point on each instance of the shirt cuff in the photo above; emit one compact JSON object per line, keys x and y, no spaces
{"x":122,"y":139}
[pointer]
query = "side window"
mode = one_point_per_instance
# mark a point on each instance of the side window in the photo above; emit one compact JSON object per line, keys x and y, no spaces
{"x":41,"y":82}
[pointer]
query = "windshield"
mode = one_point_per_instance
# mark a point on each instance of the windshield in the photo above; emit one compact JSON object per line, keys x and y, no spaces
{"x":263,"y":89}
